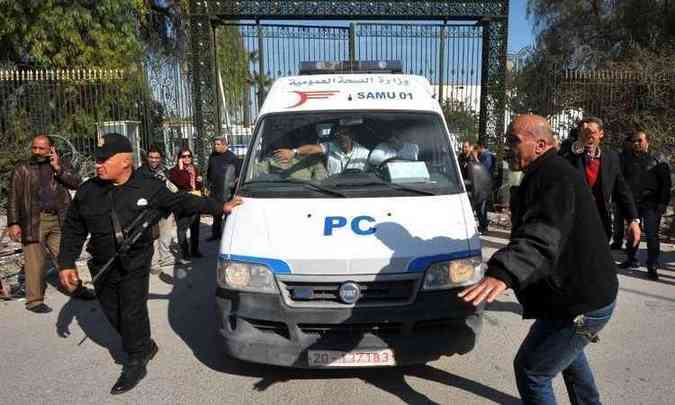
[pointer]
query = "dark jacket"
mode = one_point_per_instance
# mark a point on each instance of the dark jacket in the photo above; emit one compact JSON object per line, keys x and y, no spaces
{"x":612,"y":184}
{"x":478,"y":182}
{"x":649,"y":178}
{"x":159,"y":174}
{"x":558,"y":261}
{"x":23,"y":206}
{"x":90,"y":214}
{"x":181,"y":178}
{"x":216,"y":173}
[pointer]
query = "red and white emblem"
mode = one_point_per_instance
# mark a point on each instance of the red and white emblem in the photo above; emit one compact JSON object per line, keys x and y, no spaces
{"x":312,"y":95}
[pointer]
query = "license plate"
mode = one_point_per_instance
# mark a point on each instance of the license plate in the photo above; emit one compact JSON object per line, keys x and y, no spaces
{"x":365,"y":358}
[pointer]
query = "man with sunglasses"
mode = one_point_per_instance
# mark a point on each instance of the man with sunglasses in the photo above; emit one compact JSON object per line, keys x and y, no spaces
{"x":105,"y":208}
{"x":557,"y":262}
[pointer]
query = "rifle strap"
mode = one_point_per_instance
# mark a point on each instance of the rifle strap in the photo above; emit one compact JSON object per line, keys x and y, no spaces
{"x":117,"y":228}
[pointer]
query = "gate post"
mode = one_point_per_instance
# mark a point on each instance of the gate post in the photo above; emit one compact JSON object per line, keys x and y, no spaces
{"x":203,"y":80}
{"x":261,"y":65}
{"x":441,"y":63}
{"x":352,"y":42}
{"x":493,"y":79}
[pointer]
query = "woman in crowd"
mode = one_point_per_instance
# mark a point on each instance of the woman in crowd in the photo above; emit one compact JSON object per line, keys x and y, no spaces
{"x":185,"y":175}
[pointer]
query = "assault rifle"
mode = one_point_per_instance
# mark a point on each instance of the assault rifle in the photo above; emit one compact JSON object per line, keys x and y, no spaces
{"x":134,"y":231}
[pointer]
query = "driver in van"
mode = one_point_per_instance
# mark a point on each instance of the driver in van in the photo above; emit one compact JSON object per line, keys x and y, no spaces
{"x":342,"y":154}
{"x":308,"y":168}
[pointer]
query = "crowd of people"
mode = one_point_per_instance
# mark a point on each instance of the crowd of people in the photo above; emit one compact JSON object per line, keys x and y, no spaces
{"x":112,"y":213}
{"x":558,"y":261}
{"x":631,"y":188}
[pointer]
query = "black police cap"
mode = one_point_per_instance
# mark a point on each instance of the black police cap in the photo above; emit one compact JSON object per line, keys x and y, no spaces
{"x":111,"y":144}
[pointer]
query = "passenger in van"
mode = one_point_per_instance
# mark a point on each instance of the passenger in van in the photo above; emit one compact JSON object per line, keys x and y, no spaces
{"x":342,"y":154}
{"x":394,"y":148}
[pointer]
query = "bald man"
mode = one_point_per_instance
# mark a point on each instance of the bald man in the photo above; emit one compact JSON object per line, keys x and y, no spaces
{"x":558,"y":263}
{"x":106,"y":207}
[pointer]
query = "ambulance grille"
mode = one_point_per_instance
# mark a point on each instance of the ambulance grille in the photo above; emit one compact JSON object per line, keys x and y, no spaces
{"x":379,"y":292}
{"x":352,"y":329}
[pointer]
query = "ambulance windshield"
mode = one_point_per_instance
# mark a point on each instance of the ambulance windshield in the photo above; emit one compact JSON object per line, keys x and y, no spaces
{"x":350,"y":154}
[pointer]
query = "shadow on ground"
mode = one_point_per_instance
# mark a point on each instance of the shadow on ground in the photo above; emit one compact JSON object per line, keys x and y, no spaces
{"x":192,"y":315}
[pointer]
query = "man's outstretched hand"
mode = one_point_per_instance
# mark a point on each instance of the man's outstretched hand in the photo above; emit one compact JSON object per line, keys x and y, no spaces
{"x":486,"y":290}
{"x":234,"y":202}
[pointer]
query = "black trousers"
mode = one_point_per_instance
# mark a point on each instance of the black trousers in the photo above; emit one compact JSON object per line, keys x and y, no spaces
{"x":217,"y":227}
{"x":619,"y":225}
{"x":124,"y":299}
{"x":651,"y":220}
{"x":182,"y":225}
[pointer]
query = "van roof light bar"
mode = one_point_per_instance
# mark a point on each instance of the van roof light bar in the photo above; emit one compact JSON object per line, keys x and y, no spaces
{"x":328,"y":67}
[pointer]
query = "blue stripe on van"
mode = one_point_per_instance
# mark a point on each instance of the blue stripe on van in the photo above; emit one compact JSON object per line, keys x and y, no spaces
{"x":276,"y":265}
{"x":420,"y":264}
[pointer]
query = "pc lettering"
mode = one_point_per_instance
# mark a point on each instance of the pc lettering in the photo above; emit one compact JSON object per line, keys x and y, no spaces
{"x":361,"y":225}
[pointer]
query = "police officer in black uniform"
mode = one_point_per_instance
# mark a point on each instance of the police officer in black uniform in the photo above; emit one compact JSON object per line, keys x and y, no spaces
{"x":105,"y":207}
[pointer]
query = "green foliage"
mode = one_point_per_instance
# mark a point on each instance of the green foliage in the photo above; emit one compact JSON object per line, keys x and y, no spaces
{"x":233,"y":65}
{"x":68,"y":33}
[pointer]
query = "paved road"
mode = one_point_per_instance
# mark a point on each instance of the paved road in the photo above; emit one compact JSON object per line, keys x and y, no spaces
{"x":68,"y":355}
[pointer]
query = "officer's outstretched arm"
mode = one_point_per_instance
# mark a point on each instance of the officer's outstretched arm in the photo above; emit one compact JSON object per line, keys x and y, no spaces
{"x":184,"y":204}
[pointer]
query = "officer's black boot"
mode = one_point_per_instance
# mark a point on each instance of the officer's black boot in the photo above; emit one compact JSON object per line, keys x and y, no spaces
{"x":134,"y":371}
{"x":131,"y":375}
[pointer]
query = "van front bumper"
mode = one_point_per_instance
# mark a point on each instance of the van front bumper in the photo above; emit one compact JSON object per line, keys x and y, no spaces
{"x":261,"y":328}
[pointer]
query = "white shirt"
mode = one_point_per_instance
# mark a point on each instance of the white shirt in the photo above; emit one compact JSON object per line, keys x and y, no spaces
{"x":339,"y":161}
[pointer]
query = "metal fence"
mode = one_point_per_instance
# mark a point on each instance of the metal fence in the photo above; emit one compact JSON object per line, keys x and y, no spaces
{"x":624,"y":99}
{"x":149,"y":103}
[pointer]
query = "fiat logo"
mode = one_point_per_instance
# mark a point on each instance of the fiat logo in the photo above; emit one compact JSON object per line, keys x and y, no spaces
{"x":349,"y":292}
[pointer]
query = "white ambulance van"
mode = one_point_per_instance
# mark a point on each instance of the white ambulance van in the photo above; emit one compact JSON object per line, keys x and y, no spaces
{"x":356,"y":233}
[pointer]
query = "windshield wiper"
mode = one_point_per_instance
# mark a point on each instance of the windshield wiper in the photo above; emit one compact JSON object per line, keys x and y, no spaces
{"x":395,"y":186}
{"x":306,"y":184}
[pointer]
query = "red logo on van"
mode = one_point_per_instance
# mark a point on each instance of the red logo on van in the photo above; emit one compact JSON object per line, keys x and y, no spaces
{"x":312,"y":95}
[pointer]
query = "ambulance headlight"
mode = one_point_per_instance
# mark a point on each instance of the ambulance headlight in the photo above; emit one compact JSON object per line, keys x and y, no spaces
{"x":246,"y":277}
{"x":453,"y":273}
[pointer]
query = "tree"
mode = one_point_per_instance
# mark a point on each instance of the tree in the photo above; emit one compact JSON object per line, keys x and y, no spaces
{"x":589,"y":33}
{"x":599,"y":58}
{"x":50,"y":33}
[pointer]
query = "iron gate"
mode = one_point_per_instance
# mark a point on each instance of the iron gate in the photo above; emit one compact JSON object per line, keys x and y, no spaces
{"x":249,"y":57}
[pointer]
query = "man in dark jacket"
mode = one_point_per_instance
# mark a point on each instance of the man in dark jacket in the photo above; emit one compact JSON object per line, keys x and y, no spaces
{"x":649,"y":178}
{"x":106,"y":208}
{"x":602,"y":170}
{"x":38,"y":200}
{"x":221,"y":162}
{"x":479,"y":185}
{"x":559,"y":264}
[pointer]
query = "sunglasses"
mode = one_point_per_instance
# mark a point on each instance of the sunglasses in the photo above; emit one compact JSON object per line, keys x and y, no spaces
{"x":186,"y":156}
